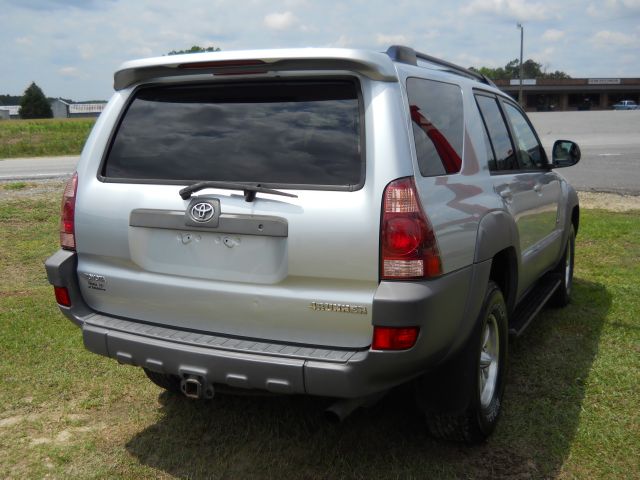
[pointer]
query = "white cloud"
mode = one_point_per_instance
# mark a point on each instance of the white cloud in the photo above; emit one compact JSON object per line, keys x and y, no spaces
{"x":69,"y":72}
{"x":279,"y":21}
{"x":593,"y":11}
{"x":606,"y":38}
{"x":544,"y":56}
{"x":386,"y":40}
{"x":86,"y":51}
{"x":342,"y":42}
{"x":465,"y":59}
{"x":26,"y":41}
{"x":613,"y":8}
{"x":552,"y":35}
{"x":514,"y":9}
{"x":141,"y":52}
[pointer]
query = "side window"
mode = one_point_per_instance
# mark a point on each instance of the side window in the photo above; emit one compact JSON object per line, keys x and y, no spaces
{"x":437,"y":119}
{"x":530,"y":152}
{"x":505,"y":158}
{"x":491,"y":156}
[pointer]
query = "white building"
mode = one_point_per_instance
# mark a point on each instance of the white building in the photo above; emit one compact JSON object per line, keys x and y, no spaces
{"x":64,"y":109}
{"x":9,"y":111}
{"x":60,"y":109}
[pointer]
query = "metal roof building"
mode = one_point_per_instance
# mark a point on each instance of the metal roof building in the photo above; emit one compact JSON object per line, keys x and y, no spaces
{"x":64,"y":109}
{"x":9,"y":111}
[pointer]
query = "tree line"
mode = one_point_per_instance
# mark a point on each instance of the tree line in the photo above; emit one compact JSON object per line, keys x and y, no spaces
{"x":530,"y":69}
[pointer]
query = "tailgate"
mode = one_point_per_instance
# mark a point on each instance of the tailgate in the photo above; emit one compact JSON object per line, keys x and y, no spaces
{"x":301,"y":270}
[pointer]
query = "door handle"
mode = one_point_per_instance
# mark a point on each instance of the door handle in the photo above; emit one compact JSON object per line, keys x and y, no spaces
{"x":538,"y":188}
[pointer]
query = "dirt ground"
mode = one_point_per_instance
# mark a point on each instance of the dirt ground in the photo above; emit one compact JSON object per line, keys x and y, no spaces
{"x":609,"y":201}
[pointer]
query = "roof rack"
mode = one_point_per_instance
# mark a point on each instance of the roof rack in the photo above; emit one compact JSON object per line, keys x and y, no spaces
{"x":408,"y":55}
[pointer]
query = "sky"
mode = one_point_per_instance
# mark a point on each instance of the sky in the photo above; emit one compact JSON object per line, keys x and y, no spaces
{"x":71,"y":48}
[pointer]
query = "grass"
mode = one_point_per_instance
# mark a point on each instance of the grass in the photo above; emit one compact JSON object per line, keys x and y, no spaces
{"x":14,"y":186}
{"x":33,"y":138}
{"x":570,"y":411}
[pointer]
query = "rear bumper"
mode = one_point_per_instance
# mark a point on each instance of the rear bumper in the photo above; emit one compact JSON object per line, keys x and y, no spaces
{"x":440,"y":307}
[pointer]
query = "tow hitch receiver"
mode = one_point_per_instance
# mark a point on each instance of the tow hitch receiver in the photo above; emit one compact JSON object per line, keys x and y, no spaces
{"x":193,"y":386}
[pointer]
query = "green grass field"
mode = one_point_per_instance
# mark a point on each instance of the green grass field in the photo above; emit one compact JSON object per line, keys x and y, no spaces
{"x":570,"y":411}
{"x":33,"y":138}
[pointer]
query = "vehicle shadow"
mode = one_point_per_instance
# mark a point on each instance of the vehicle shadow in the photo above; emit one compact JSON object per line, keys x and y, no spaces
{"x":289,"y":437}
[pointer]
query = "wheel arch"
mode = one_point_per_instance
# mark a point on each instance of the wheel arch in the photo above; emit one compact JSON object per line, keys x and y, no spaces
{"x":504,"y":273}
{"x":497,"y":242}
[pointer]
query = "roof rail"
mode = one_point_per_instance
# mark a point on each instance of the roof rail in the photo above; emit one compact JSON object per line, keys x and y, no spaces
{"x":408,"y":55}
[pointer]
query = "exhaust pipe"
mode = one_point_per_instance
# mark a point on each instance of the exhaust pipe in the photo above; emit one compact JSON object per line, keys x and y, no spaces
{"x":341,"y":409}
{"x":192,"y":386}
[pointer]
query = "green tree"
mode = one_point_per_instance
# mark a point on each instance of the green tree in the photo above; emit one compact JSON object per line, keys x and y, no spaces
{"x":194,"y":49}
{"x":9,"y":100}
{"x":530,"y":69}
{"x":34,"y":104}
{"x":557,"y":74}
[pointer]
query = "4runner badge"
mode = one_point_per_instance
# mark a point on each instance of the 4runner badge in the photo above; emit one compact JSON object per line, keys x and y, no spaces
{"x":337,"y":308}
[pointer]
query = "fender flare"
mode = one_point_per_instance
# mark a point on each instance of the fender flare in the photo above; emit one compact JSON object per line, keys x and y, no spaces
{"x":496,"y":232}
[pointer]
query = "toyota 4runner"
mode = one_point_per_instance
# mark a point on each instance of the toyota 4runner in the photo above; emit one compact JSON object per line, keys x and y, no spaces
{"x":316,"y":221}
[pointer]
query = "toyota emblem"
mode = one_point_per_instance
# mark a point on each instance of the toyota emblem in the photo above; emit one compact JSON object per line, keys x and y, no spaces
{"x":202,"y":212}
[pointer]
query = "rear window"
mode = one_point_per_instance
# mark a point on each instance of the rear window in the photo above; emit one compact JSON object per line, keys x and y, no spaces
{"x":299,"y":134}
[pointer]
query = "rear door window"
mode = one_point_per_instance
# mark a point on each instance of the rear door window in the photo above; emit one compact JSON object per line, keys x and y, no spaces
{"x":505,"y":158}
{"x":437,"y":120}
{"x":296,"y":133}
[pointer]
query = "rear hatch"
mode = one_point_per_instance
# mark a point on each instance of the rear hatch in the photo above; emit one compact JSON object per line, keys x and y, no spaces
{"x":231,"y":261}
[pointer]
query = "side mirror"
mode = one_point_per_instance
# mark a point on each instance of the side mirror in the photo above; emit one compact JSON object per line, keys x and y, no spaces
{"x":565,"y":153}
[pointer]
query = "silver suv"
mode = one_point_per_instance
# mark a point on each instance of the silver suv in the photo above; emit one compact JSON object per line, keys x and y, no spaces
{"x":316,"y":221}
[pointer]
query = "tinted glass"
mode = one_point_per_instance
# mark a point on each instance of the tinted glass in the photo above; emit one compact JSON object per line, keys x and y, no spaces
{"x":491,"y":157}
{"x":295,"y":133}
{"x":530,"y":151}
{"x":498,"y":133}
{"x":436,"y":116}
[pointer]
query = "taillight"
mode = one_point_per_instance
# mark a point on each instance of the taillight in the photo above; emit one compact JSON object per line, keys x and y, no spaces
{"x":408,"y":245}
{"x":62,"y":296}
{"x":67,"y":214}
{"x":394,"y":338}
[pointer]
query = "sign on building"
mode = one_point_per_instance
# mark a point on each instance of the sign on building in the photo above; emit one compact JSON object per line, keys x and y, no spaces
{"x":603,"y":81}
{"x":525,"y":81}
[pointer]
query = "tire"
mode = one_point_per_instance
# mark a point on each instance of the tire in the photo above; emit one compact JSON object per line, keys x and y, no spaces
{"x":463,"y":399}
{"x":171,"y":383}
{"x":562,"y":295}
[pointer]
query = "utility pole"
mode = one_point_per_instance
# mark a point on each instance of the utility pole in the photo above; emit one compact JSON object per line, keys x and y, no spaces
{"x":520,"y":96}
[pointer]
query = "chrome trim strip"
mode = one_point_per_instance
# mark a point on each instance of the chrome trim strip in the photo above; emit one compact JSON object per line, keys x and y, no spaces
{"x":259,"y":225}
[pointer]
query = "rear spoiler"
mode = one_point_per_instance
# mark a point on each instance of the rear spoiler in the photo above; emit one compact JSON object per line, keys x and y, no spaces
{"x":377,"y":66}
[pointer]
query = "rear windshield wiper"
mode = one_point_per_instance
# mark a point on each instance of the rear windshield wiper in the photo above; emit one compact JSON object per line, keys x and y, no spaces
{"x":249,"y":190}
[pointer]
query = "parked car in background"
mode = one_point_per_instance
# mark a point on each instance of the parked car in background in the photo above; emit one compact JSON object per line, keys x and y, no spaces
{"x":316,"y":221}
{"x":625,"y":105}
